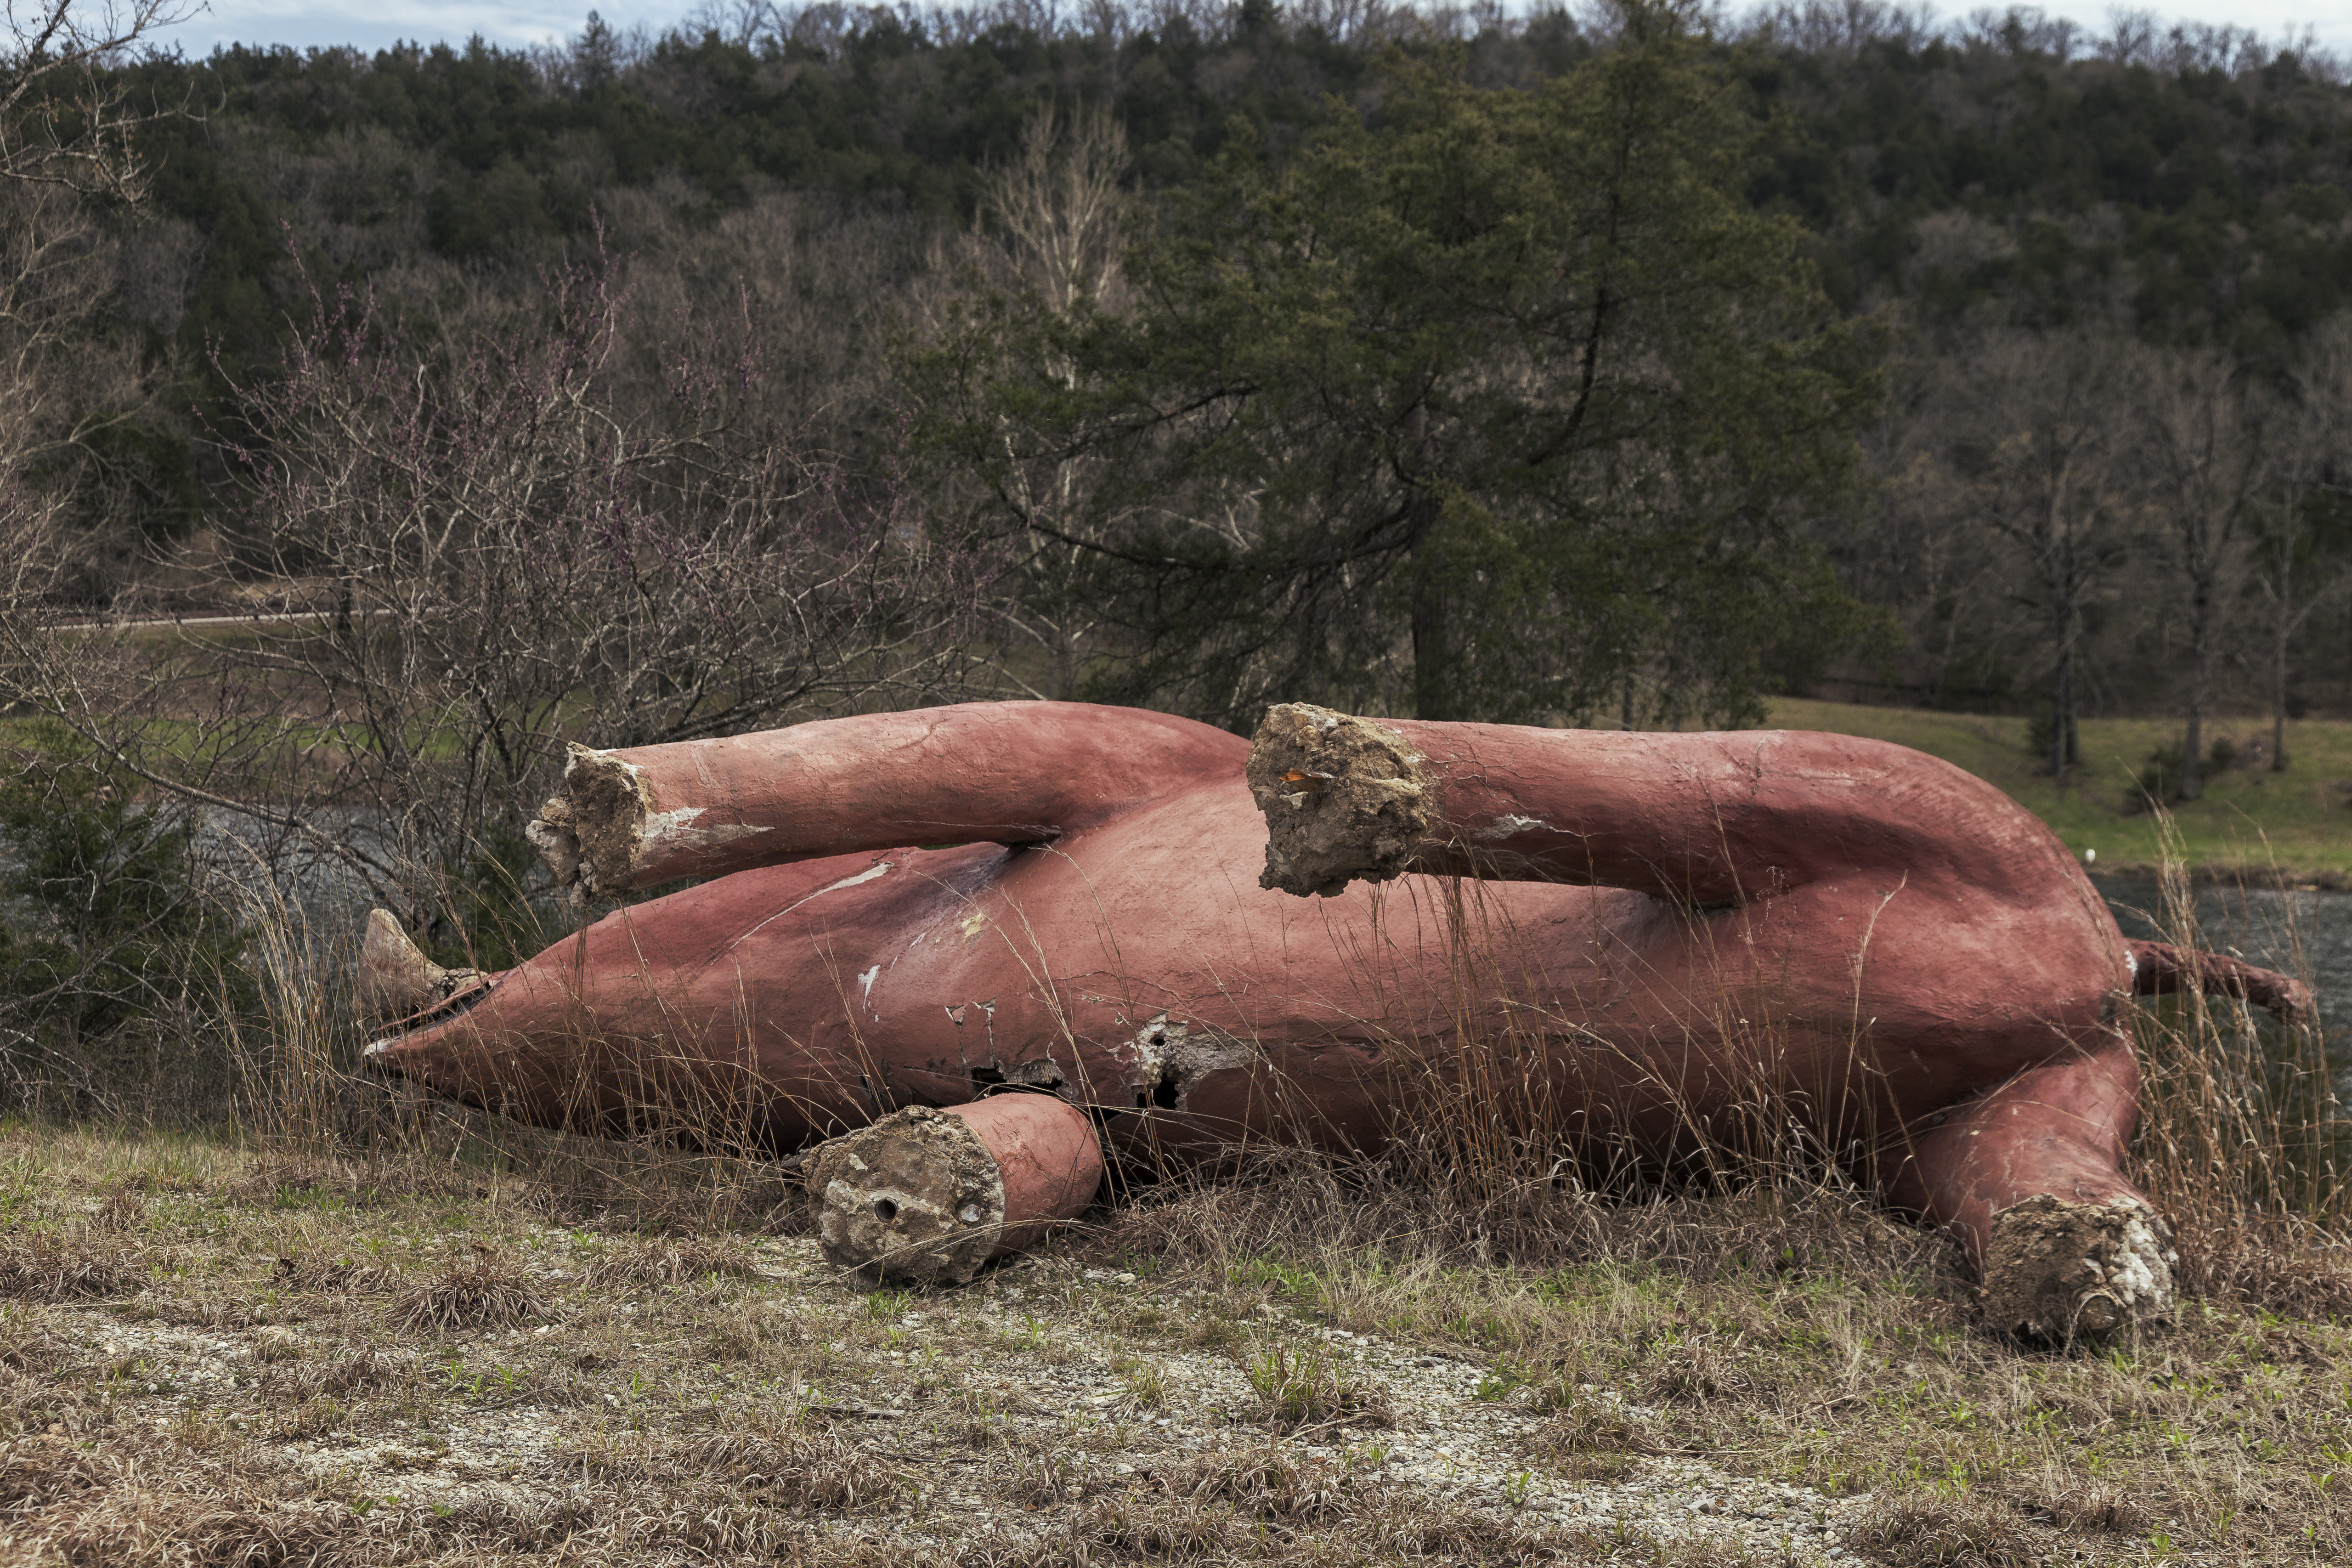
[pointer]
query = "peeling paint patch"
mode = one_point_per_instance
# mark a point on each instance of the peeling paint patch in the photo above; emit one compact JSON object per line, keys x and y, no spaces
{"x":668,"y":832}
{"x":868,"y":875}
{"x":1506,"y":827}
{"x":865,"y":986}
{"x":1151,"y":1043}
{"x":987,"y":1069}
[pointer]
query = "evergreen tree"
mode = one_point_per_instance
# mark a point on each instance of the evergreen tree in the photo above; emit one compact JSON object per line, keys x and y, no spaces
{"x":1505,"y":407}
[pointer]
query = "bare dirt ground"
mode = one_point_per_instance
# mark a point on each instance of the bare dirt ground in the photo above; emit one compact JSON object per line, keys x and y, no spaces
{"x":212,"y":1355}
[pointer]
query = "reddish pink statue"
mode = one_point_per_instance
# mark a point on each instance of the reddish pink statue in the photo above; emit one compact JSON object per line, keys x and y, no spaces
{"x":1673,"y":927}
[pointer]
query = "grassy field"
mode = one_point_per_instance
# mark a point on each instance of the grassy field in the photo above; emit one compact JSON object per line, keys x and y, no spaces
{"x":2252,"y":821}
{"x":213,"y":1355}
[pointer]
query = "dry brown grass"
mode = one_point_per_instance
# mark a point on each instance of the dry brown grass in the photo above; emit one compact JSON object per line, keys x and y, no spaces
{"x":1592,"y":1436}
{"x":45,"y":1267}
{"x":671,"y":1262}
{"x":1280,"y":1199}
{"x":1807,"y":1337}
{"x":123,"y":1210}
{"x":485,"y":1292}
{"x":484,"y":1342}
{"x":2240,"y":1140}
{"x":1918,"y":1531}
{"x":1301,"y":1387}
{"x":340,"y":1275}
{"x":365,"y":1371}
{"x":2090,"y":1508}
{"x":801,"y":1473}
{"x":1273,"y":1487}
{"x":1778,"y":1335}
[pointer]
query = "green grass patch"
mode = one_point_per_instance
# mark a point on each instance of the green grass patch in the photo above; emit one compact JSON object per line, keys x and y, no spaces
{"x":2252,"y":822}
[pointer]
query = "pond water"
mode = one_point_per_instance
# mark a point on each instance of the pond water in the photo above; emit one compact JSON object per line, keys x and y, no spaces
{"x":2308,"y":934}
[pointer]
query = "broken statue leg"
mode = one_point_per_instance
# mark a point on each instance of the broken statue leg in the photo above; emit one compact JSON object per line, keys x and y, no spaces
{"x":1715,"y":820}
{"x":396,"y":980}
{"x":976,"y":773}
{"x":2029,"y":1176}
{"x":926,"y":1196}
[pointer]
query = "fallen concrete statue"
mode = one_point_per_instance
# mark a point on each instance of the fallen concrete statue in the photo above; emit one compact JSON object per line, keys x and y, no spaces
{"x":976,"y":947}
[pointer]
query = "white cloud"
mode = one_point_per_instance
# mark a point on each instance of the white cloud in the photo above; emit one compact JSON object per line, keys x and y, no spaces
{"x":2328,"y":20}
{"x":370,"y":26}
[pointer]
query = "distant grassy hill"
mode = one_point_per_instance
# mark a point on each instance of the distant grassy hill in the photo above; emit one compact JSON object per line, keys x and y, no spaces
{"x":2252,"y":821}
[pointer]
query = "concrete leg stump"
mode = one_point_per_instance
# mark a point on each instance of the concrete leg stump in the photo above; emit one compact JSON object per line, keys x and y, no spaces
{"x":925,"y":1196}
{"x":2060,"y":1271}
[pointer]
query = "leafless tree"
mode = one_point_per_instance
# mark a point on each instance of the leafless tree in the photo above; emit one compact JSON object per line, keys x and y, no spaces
{"x":1918,"y":546}
{"x":2314,"y":436}
{"x":65,"y":134}
{"x":2042,"y":433}
{"x":1054,"y":225}
{"x":1059,"y":209}
{"x":2205,"y":454}
{"x":457,"y":556}
{"x":68,"y":151}
{"x":63,"y":122}
{"x":56,"y":263}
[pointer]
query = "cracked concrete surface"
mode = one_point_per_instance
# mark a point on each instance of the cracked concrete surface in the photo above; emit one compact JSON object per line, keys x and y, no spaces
{"x":1345,"y":799}
{"x":2057,"y":1270}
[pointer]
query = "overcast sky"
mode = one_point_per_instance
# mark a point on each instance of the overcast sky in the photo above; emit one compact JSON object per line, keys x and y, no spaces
{"x":373,"y":23}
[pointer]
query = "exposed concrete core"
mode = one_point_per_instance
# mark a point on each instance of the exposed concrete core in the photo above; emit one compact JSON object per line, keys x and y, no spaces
{"x":1169,"y":1058}
{"x":927,"y":1196}
{"x":396,"y":980}
{"x":592,"y":832}
{"x":2060,"y":1271}
{"x":917,"y":1197}
{"x":1345,"y":799}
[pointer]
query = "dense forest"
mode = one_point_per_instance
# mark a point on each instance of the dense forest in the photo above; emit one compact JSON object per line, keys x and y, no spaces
{"x":1622,"y":367}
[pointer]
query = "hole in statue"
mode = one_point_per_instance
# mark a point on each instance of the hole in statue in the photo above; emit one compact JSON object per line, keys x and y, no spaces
{"x":884,"y":1210}
{"x":1163,"y":1095}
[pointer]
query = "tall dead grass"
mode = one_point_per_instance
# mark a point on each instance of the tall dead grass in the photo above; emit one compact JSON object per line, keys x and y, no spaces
{"x":2241,"y":1136}
{"x":1493,"y":1152}
{"x":2241,"y":1141}
{"x":683,"y":1151}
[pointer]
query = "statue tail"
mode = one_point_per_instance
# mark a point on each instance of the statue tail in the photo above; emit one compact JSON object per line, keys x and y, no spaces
{"x":2160,"y":969}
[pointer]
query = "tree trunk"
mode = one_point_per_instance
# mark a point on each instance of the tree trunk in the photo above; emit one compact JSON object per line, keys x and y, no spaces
{"x":2061,"y":717}
{"x":2201,"y":614}
{"x":2278,"y":705}
{"x":1430,"y":661}
{"x":2063,"y":752}
{"x":1432,"y":658}
{"x":2278,"y":657}
{"x":2065,"y":749}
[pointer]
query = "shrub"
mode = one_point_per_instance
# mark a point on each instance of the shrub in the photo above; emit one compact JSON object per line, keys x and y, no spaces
{"x":2158,"y":779}
{"x":113,"y":946}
